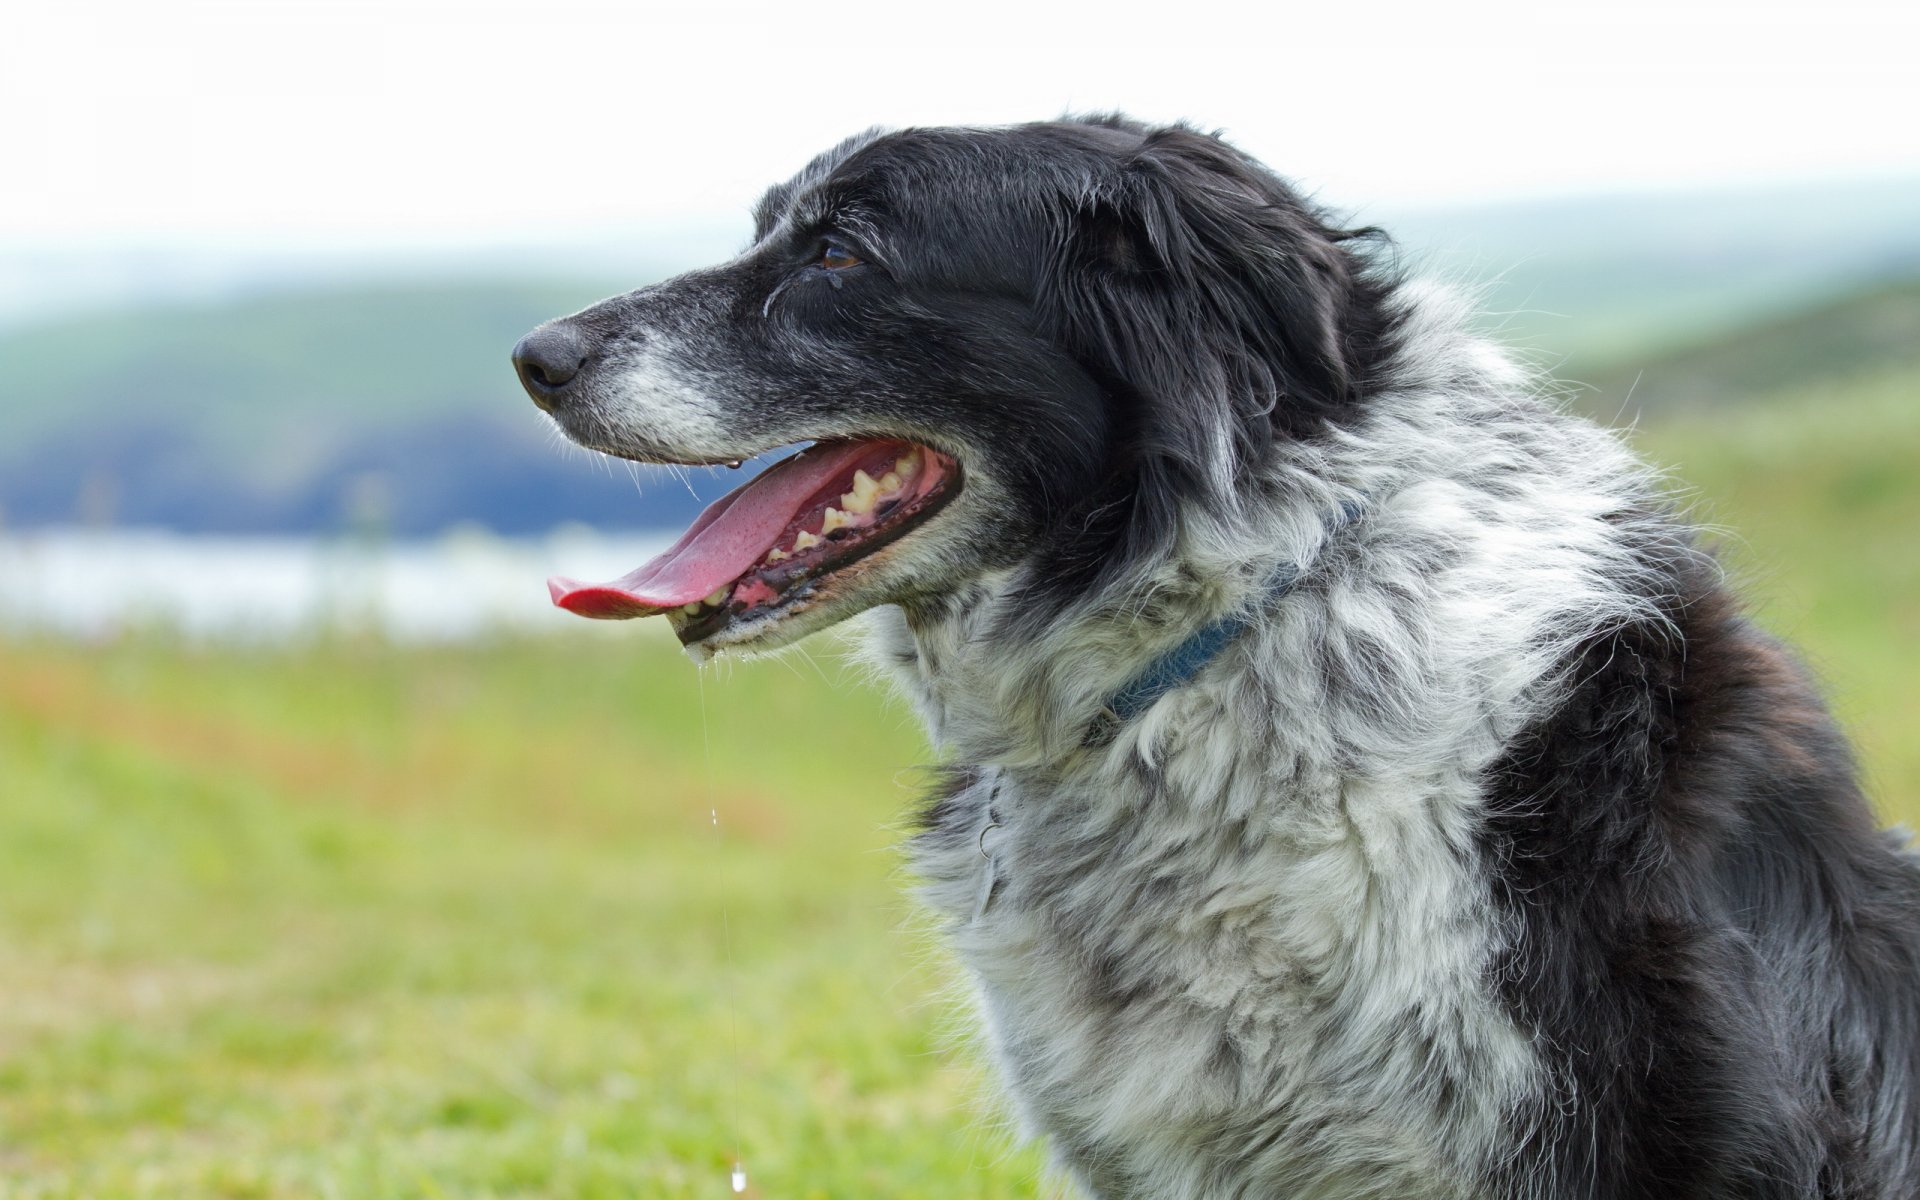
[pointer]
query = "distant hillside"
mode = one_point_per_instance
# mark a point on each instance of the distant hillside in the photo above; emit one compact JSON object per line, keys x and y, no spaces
{"x":307,"y":411}
{"x":310,"y":363}
{"x":1861,"y":334}
{"x":1586,"y":282}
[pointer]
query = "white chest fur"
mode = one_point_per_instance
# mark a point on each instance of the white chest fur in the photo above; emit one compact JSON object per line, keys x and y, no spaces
{"x":1192,"y":1001}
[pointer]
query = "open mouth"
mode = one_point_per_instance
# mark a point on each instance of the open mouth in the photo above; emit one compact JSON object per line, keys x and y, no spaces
{"x":781,"y":536}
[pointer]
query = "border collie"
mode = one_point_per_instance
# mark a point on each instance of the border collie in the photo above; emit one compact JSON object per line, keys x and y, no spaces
{"x":1360,"y":782}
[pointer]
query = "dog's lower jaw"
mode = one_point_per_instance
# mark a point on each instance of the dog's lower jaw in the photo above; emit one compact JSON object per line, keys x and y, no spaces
{"x":795,"y":620}
{"x":758,"y":637}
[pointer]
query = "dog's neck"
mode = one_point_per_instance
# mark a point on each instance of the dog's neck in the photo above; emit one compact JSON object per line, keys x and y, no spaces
{"x":1460,"y":541}
{"x":1056,"y":698}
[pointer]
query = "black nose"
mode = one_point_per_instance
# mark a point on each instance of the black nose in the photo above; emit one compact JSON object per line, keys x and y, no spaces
{"x":548,"y":359}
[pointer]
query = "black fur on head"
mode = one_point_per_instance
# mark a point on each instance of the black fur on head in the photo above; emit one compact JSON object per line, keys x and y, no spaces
{"x":1108,"y":326}
{"x":1218,"y":310}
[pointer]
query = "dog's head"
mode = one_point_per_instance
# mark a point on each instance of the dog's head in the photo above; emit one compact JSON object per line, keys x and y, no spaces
{"x":1042,"y":347}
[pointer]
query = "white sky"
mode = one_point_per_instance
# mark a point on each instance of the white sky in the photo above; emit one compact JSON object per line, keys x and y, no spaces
{"x":451,"y":122}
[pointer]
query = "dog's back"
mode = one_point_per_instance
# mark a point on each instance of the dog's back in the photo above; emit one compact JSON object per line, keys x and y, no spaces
{"x":1714,"y":945}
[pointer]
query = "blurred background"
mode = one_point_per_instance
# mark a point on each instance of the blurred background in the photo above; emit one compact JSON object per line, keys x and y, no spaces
{"x":334,"y":862}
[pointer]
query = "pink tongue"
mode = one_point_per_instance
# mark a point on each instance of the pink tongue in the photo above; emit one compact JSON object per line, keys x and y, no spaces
{"x":731,"y":536}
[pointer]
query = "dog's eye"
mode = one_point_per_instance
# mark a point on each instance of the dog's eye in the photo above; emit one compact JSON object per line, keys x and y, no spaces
{"x":836,"y":257}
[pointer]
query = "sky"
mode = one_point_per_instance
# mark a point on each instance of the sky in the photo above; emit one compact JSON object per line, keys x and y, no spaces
{"x":430,"y":124}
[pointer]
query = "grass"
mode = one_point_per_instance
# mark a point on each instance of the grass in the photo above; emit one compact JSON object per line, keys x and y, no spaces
{"x":352,"y":920}
{"x":357,"y":921}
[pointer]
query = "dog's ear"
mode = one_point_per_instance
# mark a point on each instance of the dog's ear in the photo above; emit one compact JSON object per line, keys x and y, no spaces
{"x":1215,"y":304}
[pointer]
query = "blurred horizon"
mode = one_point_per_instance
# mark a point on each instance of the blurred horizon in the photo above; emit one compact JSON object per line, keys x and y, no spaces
{"x":192,"y":147}
{"x":235,"y":391}
{"x":44,"y":281}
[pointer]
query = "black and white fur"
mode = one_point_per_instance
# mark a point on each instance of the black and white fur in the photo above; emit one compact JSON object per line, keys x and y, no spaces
{"x":1501,"y":857}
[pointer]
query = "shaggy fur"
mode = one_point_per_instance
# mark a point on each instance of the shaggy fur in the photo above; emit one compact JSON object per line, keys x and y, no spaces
{"x":1499,"y":857}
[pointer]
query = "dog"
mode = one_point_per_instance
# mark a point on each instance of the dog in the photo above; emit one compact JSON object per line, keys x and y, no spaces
{"x":1360,"y":782}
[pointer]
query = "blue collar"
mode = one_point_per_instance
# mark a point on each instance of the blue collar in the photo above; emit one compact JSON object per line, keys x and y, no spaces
{"x":1179,"y":665}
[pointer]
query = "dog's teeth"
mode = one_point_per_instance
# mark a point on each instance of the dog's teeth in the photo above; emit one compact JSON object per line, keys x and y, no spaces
{"x":777,"y":555}
{"x":690,"y":609}
{"x":860,"y":499}
{"x":833,"y":519}
{"x":806,"y":541}
{"x":909,"y":466}
{"x":717,"y":598}
{"x":890,"y":483}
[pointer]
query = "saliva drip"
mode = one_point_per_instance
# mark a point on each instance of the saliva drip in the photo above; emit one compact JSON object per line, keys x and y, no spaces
{"x":738,"y":1178}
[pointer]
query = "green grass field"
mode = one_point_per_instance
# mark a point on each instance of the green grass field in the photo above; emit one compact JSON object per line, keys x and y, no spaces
{"x":358,"y":921}
{"x":353,"y":920}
